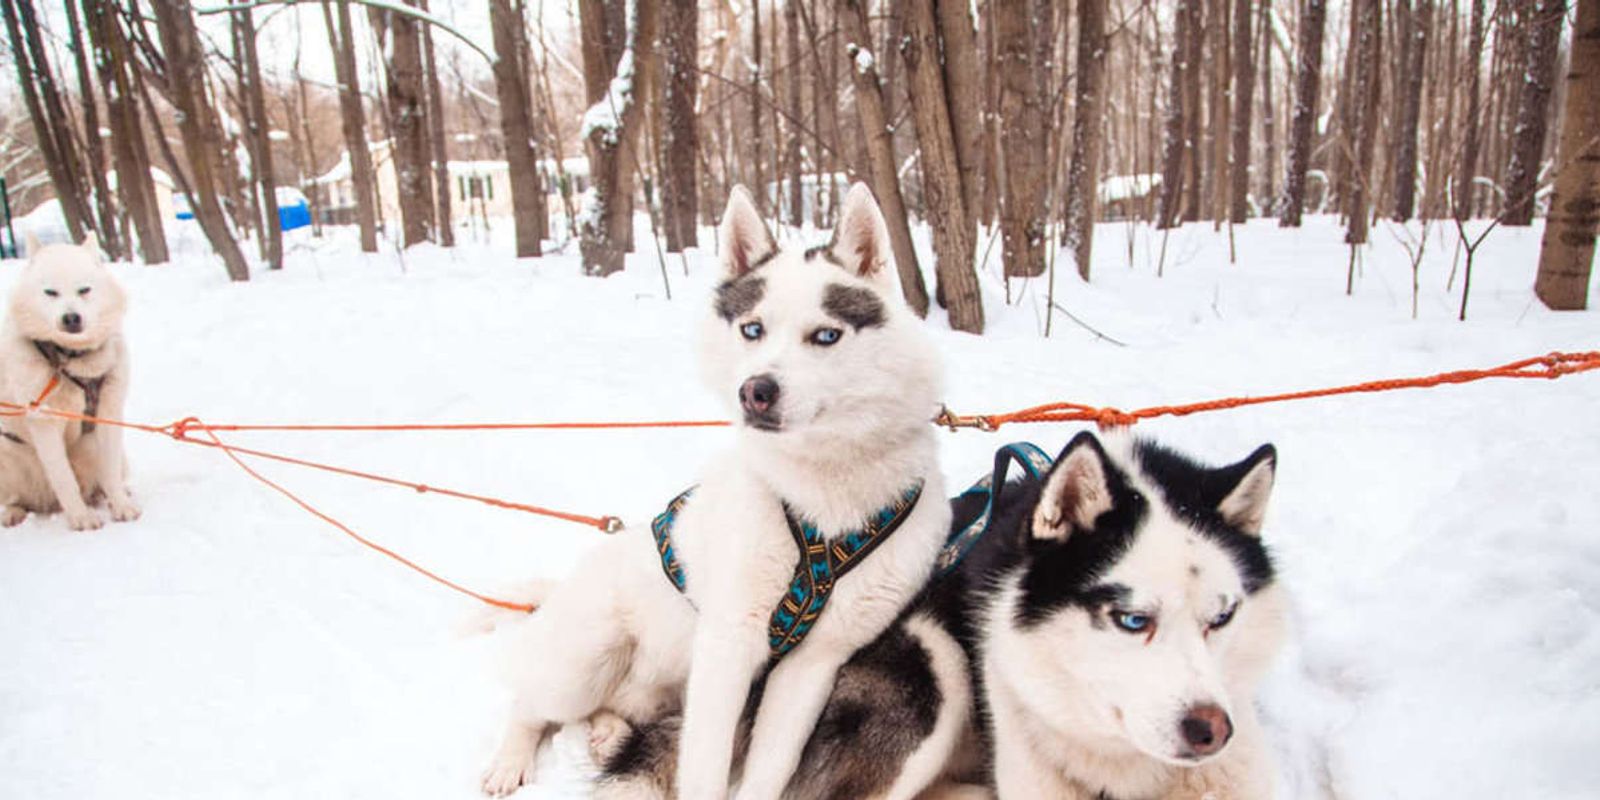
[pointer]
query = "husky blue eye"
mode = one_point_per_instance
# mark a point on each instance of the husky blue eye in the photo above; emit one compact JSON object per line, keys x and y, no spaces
{"x":1221,"y":620}
{"x":752,"y":330}
{"x":51,"y":293}
{"x":83,"y":291}
{"x":826,"y":337}
{"x":1132,"y":621}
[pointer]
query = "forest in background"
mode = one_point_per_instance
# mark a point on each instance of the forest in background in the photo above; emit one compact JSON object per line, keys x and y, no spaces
{"x":1012,"y":124}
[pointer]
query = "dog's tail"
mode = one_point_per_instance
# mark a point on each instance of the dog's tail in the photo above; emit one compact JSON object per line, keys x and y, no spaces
{"x":486,"y":619}
{"x":933,"y":756}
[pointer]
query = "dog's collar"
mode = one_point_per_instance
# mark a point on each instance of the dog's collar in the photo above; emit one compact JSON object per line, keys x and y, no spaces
{"x":58,"y":358}
{"x":821,"y":564}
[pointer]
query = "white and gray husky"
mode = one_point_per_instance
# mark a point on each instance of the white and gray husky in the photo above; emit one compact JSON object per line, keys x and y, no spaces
{"x":832,"y":383}
{"x":1112,"y":626}
{"x":64,"y":324}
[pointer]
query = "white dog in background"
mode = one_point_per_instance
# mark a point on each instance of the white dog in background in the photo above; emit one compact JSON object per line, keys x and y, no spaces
{"x":64,"y":322}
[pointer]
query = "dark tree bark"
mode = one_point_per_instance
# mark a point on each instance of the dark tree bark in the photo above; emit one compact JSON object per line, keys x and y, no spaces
{"x":1269,"y":125}
{"x":94,"y":147}
{"x":791,"y":156}
{"x":135,"y":188}
{"x":1195,"y":50}
{"x":1365,"y":55}
{"x":1467,"y":171}
{"x":1542,"y":27}
{"x":941,"y":176}
{"x":397,"y":35}
{"x":1083,"y":178}
{"x":185,"y":75}
{"x":1413,"y":29}
{"x":1244,"y":84}
{"x":757,"y":132}
{"x":352,"y":120}
{"x":49,"y":115}
{"x":679,"y":87}
{"x":256,"y":126}
{"x":1176,"y":145}
{"x":1024,"y":111}
{"x":962,"y":79}
{"x":440,"y":147}
{"x":1566,"y":257}
{"x":1308,"y":79}
{"x":610,"y":126}
{"x":880,"y":151}
{"x":528,"y":207}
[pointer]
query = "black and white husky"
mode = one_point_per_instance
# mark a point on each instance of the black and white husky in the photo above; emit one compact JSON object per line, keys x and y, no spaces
{"x":1102,"y":641}
{"x":833,"y":384}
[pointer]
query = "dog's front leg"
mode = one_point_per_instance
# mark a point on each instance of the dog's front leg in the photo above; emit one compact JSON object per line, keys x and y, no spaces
{"x":796,"y":691}
{"x":112,"y":467}
{"x":722,"y":665}
{"x":49,"y":443}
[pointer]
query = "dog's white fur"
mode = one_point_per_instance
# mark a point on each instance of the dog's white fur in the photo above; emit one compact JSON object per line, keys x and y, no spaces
{"x":1078,"y":711}
{"x":855,"y":434}
{"x":60,"y":467}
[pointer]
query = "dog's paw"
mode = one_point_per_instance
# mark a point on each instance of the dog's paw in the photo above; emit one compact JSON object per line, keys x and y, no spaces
{"x":12,"y":516}
{"x":84,"y":520}
{"x":506,"y":775}
{"x":606,"y":734}
{"x":124,"y":509}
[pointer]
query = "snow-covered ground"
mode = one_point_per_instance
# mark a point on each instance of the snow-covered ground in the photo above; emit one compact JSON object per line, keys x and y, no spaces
{"x":1442,"y":545}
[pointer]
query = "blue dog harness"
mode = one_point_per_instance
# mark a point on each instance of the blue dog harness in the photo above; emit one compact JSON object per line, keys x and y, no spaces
{"x":1034,"y":463}
{"x":822,"y":563}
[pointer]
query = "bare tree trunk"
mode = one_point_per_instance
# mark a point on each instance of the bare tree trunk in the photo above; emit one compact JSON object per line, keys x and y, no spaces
{"x":185,"y":62}
{"x":880,"y":151}
{"x":756,"y":131}
{"x":1193,"y":186}
{"x":1449,"y":52}
{"x":135,"y":188}
{"x":516,"y":125}
{"x":962,"y":79}
{"x":353,"y":121}
{"x":49,"y":115}
{"x":1244,"y":84}
{"x":94,"y":147}
{"x":1307,"y":86}
{"x":609,"y":128}
{"x":397,"y":34}
{"x":256,"y":126}
{"x":679,"y":87}
{"x":1567,"y":254}
{"x":1468,"y":169}
{"x":1366,"y":87}
{"x":1083,"y":179}
{"x":1542,"y":26}
{"x":791,"y":157}
{"x":1269,"y":114}
{"x":440,"y":147}
{"x":1024,"y":107}
{"x":941,"y":177}
{"x":1175,"y":141}
{"x":1220,"y":111}
{"x":1413,"y":25}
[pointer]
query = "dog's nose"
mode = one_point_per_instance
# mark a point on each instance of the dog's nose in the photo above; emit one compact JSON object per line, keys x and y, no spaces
{"x":759,"y":394}
{"x":1206,"y":729}
{"x":71,"y":322}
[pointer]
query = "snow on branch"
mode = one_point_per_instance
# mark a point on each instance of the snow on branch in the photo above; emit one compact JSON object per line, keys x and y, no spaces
{"x":390,"y":5}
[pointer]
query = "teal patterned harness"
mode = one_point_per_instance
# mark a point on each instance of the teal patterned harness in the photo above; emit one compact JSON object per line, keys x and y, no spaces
{"x":822,"y":563}
{"x":1034,"y":462}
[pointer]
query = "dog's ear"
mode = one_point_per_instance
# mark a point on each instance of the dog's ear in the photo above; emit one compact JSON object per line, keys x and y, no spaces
{"x":743,"y":238}
{"x":1247,"y":487}
{"x":861,"y":241}
{"x":1076,"y":492}
{"x":30,"y":242}
{"x":91,"y":243}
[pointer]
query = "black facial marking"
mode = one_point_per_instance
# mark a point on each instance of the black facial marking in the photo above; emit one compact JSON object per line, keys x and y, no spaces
{"x":859,"y":308}
{"x":1194,"y":492}
{"x":1066,"y":573}
{"x":738,"y":297}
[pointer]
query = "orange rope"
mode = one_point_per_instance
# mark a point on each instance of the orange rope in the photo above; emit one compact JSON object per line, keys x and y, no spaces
{"x":1554,"y":365}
